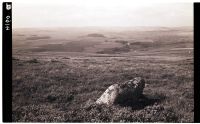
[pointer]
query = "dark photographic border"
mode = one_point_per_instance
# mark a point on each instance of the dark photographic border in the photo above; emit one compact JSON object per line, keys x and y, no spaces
{"x":7,"y":61}
{"x":196,"y":61}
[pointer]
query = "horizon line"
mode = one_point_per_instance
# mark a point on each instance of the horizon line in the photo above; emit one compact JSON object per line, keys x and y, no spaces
{"x":102,"y":27}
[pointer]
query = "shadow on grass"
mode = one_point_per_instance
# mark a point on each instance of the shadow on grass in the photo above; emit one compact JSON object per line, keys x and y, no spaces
{"x":144,"y":101}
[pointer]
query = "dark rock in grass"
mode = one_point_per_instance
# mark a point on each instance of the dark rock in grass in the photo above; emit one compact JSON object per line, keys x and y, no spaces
{"x":51,"y":98}
{"x":127,"y":92}
{"x":33,"y":61}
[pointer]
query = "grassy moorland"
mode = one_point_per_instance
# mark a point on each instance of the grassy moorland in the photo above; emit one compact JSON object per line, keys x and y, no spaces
{"x":58,"y":74}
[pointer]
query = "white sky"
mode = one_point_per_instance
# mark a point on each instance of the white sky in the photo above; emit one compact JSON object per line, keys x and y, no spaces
{"x":65,"y":13}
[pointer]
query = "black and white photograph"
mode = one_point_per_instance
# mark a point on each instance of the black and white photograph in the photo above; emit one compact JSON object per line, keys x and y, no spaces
{"x":100,"y":61}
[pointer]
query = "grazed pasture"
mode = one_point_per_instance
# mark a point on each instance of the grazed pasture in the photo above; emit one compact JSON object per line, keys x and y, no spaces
{"x":59,"y":73}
